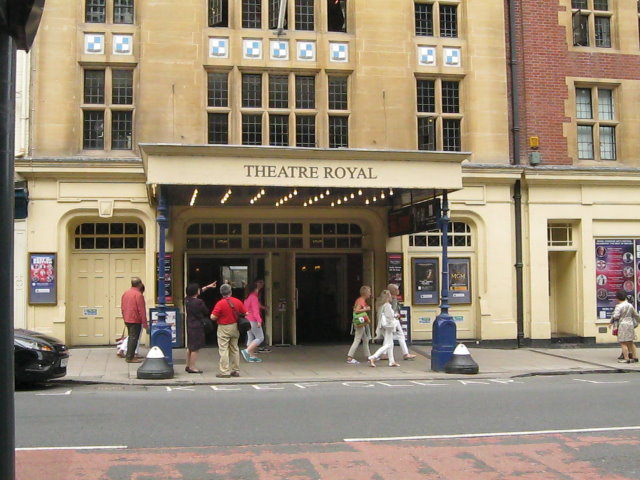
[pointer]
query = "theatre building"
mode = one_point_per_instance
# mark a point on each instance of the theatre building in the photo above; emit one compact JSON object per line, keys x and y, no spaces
{"x":300,"y":141}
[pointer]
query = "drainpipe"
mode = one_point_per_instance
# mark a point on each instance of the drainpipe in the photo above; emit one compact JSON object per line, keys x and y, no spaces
{"x":515,"y":147}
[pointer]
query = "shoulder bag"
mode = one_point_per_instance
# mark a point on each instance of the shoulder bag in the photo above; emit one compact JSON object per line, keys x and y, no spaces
{"x":244,"y":325}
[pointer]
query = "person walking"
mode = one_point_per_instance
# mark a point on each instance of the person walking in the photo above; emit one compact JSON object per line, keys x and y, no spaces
{"x":254,"y":308}
{"x":361,"y":333}
{"x":197,"y":314}
{"x":390,"y":326}
{"x":134,"y":313}
{"x":226,"y":312}
{"x":398,"y":335}
{"x":625,"y":320}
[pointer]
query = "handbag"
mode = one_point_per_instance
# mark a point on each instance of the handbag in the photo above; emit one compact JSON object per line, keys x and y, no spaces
{"x":360,"y":319}
{"x":244,"y":325}
{"x":208,"y":325}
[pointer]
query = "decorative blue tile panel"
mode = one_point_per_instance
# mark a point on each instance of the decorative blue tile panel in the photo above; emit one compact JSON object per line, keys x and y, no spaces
{"x":427,"y":56}
{"x":279,"y":49}
{"x":252,"y":48}
{"x":306,"y":50}
{"x":94,"y":43}
{"x":218,"y":47}
{"x":123,"y":44}
{"x":338,"y":52}
{"x":451,"y":56}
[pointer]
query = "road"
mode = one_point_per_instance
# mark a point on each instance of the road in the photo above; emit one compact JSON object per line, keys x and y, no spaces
{"x":564,"y":427}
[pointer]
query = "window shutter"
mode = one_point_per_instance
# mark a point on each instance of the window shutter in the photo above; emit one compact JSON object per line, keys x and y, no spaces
{"x":580,"y":29}
{"x":215,"y":12}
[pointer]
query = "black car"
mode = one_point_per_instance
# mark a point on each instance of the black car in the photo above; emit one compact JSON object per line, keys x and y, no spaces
{"x":38,"y":357}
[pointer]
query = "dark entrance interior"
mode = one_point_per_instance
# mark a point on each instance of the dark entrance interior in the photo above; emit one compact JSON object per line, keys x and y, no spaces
{"x":323,"y":313}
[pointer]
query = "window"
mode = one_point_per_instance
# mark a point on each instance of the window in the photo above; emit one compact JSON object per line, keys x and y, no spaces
{"x":591,"y":23}
{"x":305,"y":15}
{"x":95,"y":11}
{"x":338,"y":131}
{"x":275,"y":235}
{"x":93,"y":236}
{"x":559,"y":235}
{"x":108,"y":104}
{"x":214,"y":235}
{"x":337,"y":15}
{"x":251,"y":14}
{"x":459,"y":236}
{"x":218,"y":108}
{"x":279,"y":130}
{"x":218,"y":89}
{"x":305,"y":131}
{"x":338,"y":93}
{"x":218,"y":128}
{"x":278,"y":91}
{"x":436,"y":19}
{"x":335,"y":235}
{"x":439,"y":116}
{"x":305,"y":92}
{"x":252,"y":90}
{"x":218,"y":13}
{"x":252,"y":129}
{"x":596,"y":127}
{"x":274,"y":14}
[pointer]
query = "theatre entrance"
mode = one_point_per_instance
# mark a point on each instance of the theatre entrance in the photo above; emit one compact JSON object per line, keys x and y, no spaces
{"x":326,"y":287}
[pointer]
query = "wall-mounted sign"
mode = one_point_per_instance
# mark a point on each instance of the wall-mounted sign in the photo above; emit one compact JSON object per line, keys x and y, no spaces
{"x":168,"y":276}
{"x":405,"y":322}
{"x":416,"y":218}
{"x":174,"y":319}
{"x":459,"y":280}
{"x":615,"y":270}
{"x":395,"y":272}
{"x":42,"y":278}
{"x":425,"y":281}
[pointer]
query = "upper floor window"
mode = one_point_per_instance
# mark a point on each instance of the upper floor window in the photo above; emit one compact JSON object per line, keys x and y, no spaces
{"x":591,"y":23}
{"x":459,"y":236}
{"x":596,"y":127}
{"x":274,"y":14}
{"x":218,"y":13}
{"x":305,"y":15}
{"x":218,"y":107}
{"x":436,"y":19}
{"x":95,"y":11}
{"x":251,"y":13}
{"x":337,"y":15}
{"x":107,"y":100}
{"x":98,"y":236}
{"x":439,"y":114}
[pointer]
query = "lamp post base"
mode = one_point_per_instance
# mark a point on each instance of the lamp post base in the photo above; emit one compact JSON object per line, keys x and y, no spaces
{"x":444,"y":342}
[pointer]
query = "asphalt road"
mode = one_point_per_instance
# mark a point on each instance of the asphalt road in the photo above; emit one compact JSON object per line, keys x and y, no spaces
{"x":593,"y":419}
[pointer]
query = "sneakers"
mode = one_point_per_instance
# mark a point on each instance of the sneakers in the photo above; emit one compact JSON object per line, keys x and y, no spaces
{"x":254,"y":360}
{"x":245,"y":355}
{"x":353,"y":361}
{"x":264,"y":349}
{"x":235,"y":373}
{"x":624,"y":361}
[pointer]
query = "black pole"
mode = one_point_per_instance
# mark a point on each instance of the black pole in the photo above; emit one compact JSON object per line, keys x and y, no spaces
{"x":7,"y":135}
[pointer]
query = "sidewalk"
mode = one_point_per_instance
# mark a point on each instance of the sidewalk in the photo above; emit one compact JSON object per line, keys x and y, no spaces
{"x":328,"y":363}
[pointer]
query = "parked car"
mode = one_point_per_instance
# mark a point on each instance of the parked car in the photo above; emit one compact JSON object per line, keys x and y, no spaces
{"x":38,"y":357}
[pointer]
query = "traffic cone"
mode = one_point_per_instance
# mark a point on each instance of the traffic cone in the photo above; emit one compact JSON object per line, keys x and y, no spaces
{"x":461,"y":362}
{"x":155,"y":366}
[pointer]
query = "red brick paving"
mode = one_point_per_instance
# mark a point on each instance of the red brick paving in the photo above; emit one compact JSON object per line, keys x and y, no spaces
{"x":544,"y":457}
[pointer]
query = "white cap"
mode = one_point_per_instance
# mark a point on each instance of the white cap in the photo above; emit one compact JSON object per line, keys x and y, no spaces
{"x":155,"y":352}
{"x":461,"y":349}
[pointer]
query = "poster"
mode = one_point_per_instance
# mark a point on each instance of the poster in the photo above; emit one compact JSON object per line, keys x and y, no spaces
{"x":168,"y":276}
{"x":459,"y":280}
{"x":425,"y":281}
{"x":394,"y":272}
{"x":173,"y":319}
{"x":615,"y":270}
{"x":42,"y":278}
{"x":637,"y":265}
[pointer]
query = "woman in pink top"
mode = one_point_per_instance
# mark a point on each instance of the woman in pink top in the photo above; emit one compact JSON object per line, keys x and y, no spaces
{"x":255,"y":336}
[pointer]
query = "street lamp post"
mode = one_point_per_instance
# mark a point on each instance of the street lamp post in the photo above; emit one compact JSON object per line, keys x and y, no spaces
{"x":444,"y":328}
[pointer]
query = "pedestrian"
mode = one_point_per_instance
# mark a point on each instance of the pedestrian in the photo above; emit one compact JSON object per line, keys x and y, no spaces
{"x":362,"y":333}
{"x":226,"y":312}
{"x":197,"y":315}
{"x":625,"y":320}
{"x":254,"y":308}
{"x":134,"y":313}
{"x":398,"y":335}
{"x":390,"y":326}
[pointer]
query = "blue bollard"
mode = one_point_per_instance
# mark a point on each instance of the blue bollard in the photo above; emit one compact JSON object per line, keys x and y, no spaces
{"x":444,"y":341}
{"x":161,"y":338}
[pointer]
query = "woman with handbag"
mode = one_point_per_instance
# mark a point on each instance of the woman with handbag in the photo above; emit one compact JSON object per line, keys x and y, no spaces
{"x":198,"y":323}
{"x":624,"y":321}
{"x":390,"y":325}
{"x":360,"y":325}
{"x":255,"y":336}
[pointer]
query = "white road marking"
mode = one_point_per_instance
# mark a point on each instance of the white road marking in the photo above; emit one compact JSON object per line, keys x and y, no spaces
{"x":95,"y":447}
{"x":595,"y":381}
{"x":68,"y":392}
{"x":495,"y":434}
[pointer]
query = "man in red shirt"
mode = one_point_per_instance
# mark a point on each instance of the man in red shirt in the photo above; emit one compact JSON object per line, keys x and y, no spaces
{"x":134,"y":313}
{"x":225,"y":313}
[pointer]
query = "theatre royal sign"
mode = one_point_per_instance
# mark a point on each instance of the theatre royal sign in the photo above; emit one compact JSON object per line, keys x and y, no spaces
{"x":293,"y":167}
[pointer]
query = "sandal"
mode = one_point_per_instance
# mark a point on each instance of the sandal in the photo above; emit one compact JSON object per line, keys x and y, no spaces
{"x":191,"y":370}
{"x":409,"y":356}
{"x":372,"y":361}
{"x":394,"y":365}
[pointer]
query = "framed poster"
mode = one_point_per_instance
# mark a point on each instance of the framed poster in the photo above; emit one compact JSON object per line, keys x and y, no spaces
{"x":174,"y":319}
{"x":168,"y":275}
{"x":425,"y":281}
{"x":395,"y":273}
{"x":42,"y":279}
{"x":459,"y":280}
{"x":614,"y":271}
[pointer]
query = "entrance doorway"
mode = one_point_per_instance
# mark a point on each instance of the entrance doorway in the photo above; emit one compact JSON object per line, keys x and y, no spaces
{"x":323,"y":293}
{"x":563,"y":294}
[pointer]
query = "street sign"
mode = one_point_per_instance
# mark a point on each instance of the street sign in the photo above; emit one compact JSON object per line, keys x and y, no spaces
{"x":417,"y":218}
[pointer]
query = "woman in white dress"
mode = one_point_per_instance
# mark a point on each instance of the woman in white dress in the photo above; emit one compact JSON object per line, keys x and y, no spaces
{"x":625,"y":320}
{"x":390,"y":325}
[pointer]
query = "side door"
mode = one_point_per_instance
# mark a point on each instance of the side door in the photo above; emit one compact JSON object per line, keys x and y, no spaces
{"x":123,"y":266}
{"x":89,"y":311}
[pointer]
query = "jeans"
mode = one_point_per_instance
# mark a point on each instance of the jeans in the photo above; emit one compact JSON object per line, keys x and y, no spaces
{"x":133,"y":330}
{"x":255,"y":334}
